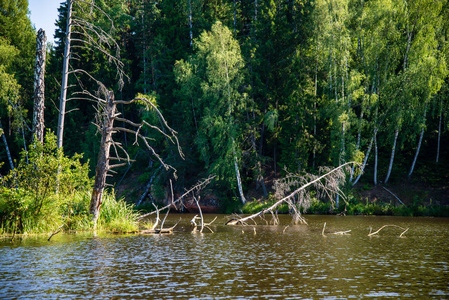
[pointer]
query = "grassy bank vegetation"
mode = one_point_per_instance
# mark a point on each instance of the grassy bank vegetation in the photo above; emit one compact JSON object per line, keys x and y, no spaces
{"x":48,"y":190}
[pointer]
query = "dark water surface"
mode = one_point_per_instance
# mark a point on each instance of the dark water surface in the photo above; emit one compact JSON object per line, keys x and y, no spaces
{"x":272,"y":262}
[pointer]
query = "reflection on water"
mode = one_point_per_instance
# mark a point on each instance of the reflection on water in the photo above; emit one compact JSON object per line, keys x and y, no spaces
{"x":272,"y":262}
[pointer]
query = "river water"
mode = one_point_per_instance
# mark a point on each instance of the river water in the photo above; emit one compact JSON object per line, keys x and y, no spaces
{"x":235,"y":262}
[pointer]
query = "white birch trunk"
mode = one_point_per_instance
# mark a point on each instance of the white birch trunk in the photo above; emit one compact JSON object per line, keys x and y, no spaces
{"x":393,"y":150}
{"x":419,"y":145}
{"x":11,"y":164}
{"x":65,"y":75}
{"x":365,"y":160}
{"x":237,"y":174}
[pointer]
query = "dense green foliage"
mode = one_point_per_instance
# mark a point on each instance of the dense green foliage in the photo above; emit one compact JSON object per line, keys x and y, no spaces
{"x":48,"y":189}
{"x":264,"y":87}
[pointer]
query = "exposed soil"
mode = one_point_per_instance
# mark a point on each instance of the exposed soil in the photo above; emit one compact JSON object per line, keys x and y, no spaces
{"x":407,"y":192}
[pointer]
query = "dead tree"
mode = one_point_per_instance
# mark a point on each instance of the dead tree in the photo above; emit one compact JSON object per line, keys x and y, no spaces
{"x":39,"y":87}
{"x":196,"y":189}
{"x":107,"y":114}
{"x":81,"y":32}
{"x":65,"y":75}
{"x":103,"y":165}
{"x":327,"y":184}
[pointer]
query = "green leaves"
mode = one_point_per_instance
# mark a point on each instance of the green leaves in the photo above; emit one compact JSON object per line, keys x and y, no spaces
{"x":210,"y":82}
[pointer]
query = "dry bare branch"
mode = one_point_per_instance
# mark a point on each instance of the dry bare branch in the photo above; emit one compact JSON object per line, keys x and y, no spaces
{"x":377,"y":231}
{"x":329,"y":185}
{"x":195,"y":189}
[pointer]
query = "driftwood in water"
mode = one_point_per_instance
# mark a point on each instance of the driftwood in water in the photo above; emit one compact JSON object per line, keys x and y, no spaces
{"x":336,"y":232}
{"x":201,"y":218}
{"x":56,"y":232}
{"x":288,"y":199}
{"x":158,"y":230}
{"x":195,"y":189}
{"x":376,"y":232}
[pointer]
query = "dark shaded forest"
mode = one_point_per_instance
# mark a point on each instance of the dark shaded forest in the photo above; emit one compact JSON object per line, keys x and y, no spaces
{"x":255,"y":90}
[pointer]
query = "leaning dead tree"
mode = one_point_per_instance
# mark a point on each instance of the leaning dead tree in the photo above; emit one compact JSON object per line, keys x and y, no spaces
{"x":39,"y":87}
{"x":327,"y":184}
{"x":107,"y":114}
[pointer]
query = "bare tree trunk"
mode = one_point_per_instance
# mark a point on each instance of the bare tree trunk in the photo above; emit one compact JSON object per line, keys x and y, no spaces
{"x":419,"y":145}
{"x":103,"y":158}
{"x":375,"y":158}
{"x":65,"y":75}
{"x":315,"y":92}
{"x":439,"y":136}
{"x":241,"y":221}
{"x":11,"y":164}
{"x":39,"y":87}
{"x":190,"y":22}
{"x":393,"y":150}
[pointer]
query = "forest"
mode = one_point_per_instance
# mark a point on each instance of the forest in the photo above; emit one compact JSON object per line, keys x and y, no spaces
{"x":244,"y":93}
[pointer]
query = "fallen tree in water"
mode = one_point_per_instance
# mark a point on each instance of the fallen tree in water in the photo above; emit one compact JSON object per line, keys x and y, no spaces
{"x":327,"y":184}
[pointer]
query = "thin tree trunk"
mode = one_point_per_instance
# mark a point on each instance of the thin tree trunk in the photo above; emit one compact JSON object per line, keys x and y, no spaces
{"x":365,"y":160}
{"x":439,"y":137}
{"x":315,"y":110}
{"x":65,"y":75}
{"x":39,"y":87}
{"x":144,"y":56}
{"x":11,"y":164}
{"x":419,"y":145}
{"x":103,"y":159}
{"x":237,"y":174}
{"x":234,"y":16}
{"x":393,"y":150}
{"x":359,"y":135}
{"x":190,"y":22}
{"x":375,"y":158}
{"x":259,"y":179}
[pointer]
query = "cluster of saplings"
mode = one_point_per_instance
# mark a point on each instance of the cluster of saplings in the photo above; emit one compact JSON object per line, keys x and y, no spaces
{"x":48,"y":189}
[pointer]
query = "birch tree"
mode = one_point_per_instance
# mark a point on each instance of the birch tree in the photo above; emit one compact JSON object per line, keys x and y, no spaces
{"x":216,"y":71}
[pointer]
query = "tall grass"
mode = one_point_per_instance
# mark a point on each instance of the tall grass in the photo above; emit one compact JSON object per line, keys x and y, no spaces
{"x":48,"y":189}
{"x":18,"y":215}
{"x":117,"y":215}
